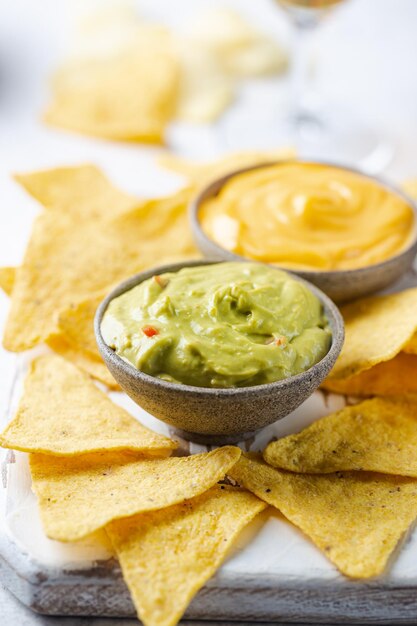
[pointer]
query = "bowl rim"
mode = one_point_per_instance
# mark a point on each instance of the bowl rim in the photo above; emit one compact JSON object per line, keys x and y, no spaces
{"x":215,"y":185}
{"x":332,"y":313}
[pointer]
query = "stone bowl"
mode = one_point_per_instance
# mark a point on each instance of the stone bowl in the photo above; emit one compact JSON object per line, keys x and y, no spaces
{"x":212,"y":415}
{"x":340,"y":285}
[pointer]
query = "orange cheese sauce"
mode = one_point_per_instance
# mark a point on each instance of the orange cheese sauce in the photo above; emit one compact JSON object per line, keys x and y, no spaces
{"x":308,"y":216}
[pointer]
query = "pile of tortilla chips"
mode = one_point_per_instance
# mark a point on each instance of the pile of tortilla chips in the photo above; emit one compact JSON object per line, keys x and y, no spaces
{"x":94,"y":467}
{"x":349,"y":481}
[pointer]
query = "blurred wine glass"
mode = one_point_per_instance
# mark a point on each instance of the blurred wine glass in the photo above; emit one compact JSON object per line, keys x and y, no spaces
{"x":315,"y":128}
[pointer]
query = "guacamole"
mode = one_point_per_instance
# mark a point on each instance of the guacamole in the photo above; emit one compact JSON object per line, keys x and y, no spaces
{"x":223,"y":325}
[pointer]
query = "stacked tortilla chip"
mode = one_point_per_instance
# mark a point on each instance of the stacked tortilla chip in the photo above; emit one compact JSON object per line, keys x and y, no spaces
{"x":379,"y":356}
{"x":94,"y":466}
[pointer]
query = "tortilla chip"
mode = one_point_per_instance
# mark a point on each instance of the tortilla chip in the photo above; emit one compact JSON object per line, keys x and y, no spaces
{"x":82,"y":191}
{"x":377,"y":329}
{"x":85,"y":361}
{"x":76,"y":324}
{"x":51,"y":278}
{"x":378,"y":435}
{"x":168,"y":555}
{"x":69,"y":261}
{"x":201,"y":173}
{"x":81,"y":494}
{"x":127,"y":95}
{"x":411,"y":346}
{"x":7,"y":279}
{"x":355,"y":518}
{"x":62,"y":412}
{"x":395,"y":377}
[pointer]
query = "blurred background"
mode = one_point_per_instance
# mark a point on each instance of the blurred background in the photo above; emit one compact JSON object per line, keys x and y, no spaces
{"x":236,"y":60}
{"x":360,"y":58}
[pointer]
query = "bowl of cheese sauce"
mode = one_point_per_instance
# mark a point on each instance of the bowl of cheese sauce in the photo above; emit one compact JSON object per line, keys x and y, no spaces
{"x":348,"y":233}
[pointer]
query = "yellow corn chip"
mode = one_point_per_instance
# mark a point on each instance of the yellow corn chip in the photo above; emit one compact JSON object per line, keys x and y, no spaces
{"x":411,"y":346}
{"x":377,"y":329}
{"x":355,"y":518}
{"x":89,"y":364}
{"x":85,"y":361}
{"x":379,"y":435}
{"x":67,"y":262}
{"x":202,"y":173}
{"x":7,"y":279}
{"x":128,"y":95}
{"x":81,"y":494}
{"x":395,"y":377}
{"x":82,"y":191}
{"x":62,"y":412}
{"x":51,"y":278}
{"x":167,"y":556}
{"x":76,"y":324}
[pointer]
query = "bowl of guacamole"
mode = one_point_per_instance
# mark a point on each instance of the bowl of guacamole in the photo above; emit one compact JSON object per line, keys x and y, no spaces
{"x":218,"y":349}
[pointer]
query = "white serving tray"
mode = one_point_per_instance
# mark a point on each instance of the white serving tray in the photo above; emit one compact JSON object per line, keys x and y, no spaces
{"x":274,"y":572}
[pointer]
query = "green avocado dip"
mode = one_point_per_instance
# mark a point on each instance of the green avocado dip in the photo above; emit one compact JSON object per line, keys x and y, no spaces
{"x":222,"y":325}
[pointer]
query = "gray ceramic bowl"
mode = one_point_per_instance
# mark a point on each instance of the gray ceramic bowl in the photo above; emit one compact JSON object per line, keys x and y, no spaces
{"x":340,"y":285}
{"x":216,"y":416}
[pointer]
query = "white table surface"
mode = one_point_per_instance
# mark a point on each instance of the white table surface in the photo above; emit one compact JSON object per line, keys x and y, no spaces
{"x":366,"y":56}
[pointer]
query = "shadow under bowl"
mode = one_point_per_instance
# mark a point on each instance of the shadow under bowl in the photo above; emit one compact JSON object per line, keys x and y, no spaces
{"x":340,"y":285}
{"x":212,"y":415}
